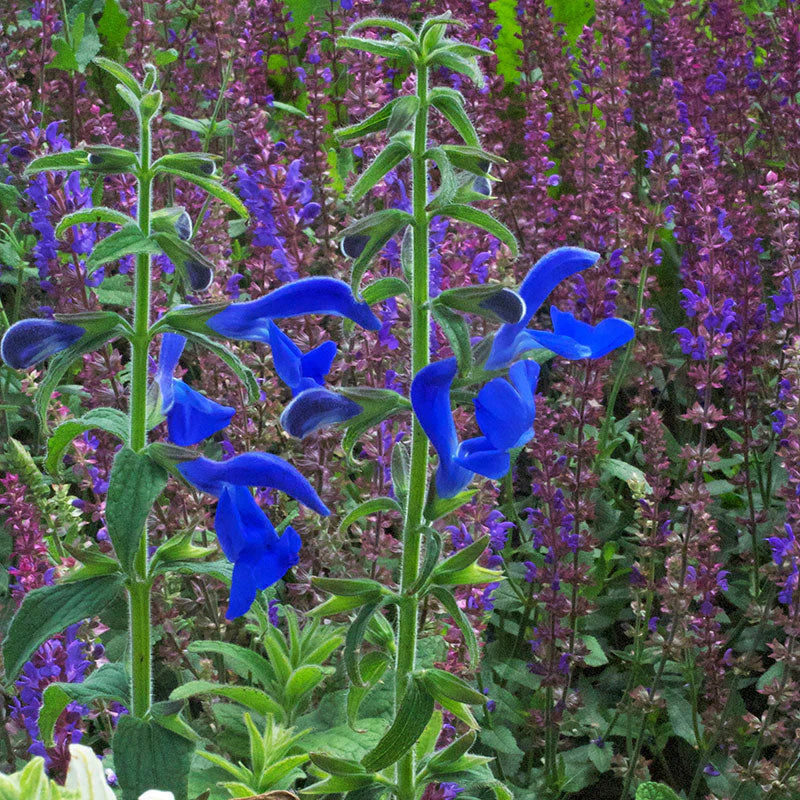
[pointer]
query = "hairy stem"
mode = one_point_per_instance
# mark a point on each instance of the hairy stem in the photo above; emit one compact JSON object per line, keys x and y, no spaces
{"x":139,"y":585}
{"x":420,"y":353}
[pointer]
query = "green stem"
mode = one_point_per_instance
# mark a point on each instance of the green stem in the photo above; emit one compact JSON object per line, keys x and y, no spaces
{"x":418,"y":481}
{"x":139,"y":585}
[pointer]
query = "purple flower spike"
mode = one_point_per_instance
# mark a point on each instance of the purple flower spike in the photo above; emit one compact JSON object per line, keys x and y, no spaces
{"x":191,"y":417}
{"x":33,"y":340}
{"x":250,"y":321}
{"x":317,"y":408}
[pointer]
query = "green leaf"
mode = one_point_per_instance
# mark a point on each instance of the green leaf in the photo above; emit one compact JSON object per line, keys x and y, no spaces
{"x":679,"y":711}
{"x":446,"y":598}
{"x":507,"y":46}
{"x":455,"y":328}
{"x":442,"y":684}
{"x":64,"y":58}
{"x":393,"y":154}
{"x":372,"y":124}
{"x":127,"y":241}
{"x":95,"y":214}
{"x":472,"y":575}
{"x":303,"y":680}
{"x":148,"y":756}
{"x":338,"y":784}
{"x":384,"y":288}
{"x":336,"y":766}
{"x":442,"y":506}
{"x":452,"y":752}
{"x":380,"y":227}
{"x":448,"y":185}
{"x":630,"y":474}
{"x":50,"y":610}
{"x":412,"y":717}
{"x":483,"y":300}
{"x":202,"y":164}
{"x":372,"y":667}
{"x":109,"y":682}
{"x":433,"y":549}
{"x":348,"y":587}
{"x":164,"y":57}
{"x":222,"y":569}
{"x":242,"y":661}
{"x":501,"y":740}
{"x":248,"y":696}
{"x":455,"y":63}
{"x":403,"y":114}
{"x":383,"y":22}
{"x":214,"y":188}
{"x":464,"y":557}
{"x":121,"y":73}
{"x":68,"y":161}
{"x":596,"y":656}
{"x":655,"y":791}
{"x":480,"y":219}
{"x":231,"y":360}
{"x":338,"y":605}
{"x":113,"y":25}
{"x":378,"y":47}
{"x":111,"y":420}
{"x":367,"y":508}
{"x":353,"y":640}
{"x":136,"y":482}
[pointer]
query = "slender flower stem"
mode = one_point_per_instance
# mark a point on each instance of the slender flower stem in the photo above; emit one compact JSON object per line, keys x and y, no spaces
{"x":139,"y":585}
{"x":418,"y":482}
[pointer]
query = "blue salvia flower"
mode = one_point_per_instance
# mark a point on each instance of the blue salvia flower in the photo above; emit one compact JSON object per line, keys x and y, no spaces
{"x":30,"y":341}
{"x":297,"y":370}
{"x":512,"y":340}
{"x":316,"y":408}
{"x":247,"y":537}
{"x":571,"y":338}
{"x":505,"y":413}
{"x":430,"y":399}
{"x":320,"y":295}
{"x":191,"y":417}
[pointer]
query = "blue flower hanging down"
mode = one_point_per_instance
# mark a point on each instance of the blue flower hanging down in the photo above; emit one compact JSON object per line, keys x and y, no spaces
{"x":250,"y":320}
{"x":505,"y":413}
{"x":247,"y":537}
{"x":191,"y":417}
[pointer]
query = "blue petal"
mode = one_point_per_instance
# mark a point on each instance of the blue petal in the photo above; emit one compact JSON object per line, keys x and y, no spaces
{"x":501,"y":414}
{"x":317,"y":363}
{"x":507,"y":304}
{"x":601,"y":339}
{"x":172,"y":345}
{"x":307,"y":296}
{"x":193,"y":417}
{"x":563,"y":346}
{"x":544,"y":276}
{"x":286,"y":356}
{"x":316,"y":408}
{"x":480,"y":455}
{"x":251,"y":469}
{"x":240,"y":524}
{"x":525,"y":375}
{"x":243,"y":590}
{"x":30,"y":341}
{"x":430,"y":399}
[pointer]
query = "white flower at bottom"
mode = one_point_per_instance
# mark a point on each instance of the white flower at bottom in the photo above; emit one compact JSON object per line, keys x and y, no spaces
{"x":156,"y":794}
{"x":86,"y":774}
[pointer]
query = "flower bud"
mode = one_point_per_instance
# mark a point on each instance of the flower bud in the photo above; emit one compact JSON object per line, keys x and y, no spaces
{"x":32,"y":340}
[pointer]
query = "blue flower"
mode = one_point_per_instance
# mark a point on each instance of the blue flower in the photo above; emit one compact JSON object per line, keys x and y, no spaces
{"x":574,"y":339}
{"x":247,"y":537}
{"x":505,"y":413}
{"x":30,"y":341}
{"x":296,"y":370}
{"x":315,"y":408}
{"x":191,"y":417}
{"x":250,"y":321}
{"x":430,"y":399}
{"x":544,"y":276}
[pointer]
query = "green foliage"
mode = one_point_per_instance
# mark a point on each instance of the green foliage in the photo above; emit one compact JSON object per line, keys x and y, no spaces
{"x":273,"y":764}
{"x":654,"y":791}
{"x":32,"y":783}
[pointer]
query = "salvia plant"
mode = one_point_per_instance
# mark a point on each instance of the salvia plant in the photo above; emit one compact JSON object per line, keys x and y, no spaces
{"x":492,"y":378}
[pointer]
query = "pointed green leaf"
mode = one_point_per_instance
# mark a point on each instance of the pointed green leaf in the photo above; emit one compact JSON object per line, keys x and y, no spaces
{"x":367,"y":508}
{"x":384,"y":288}
{"x":50,"y":610}
{"x":446,"y":598}
{"x":403,"y":114}
{"x":120,"y":73}
{"x":248,"y":696}
{"x":378,"y":47}
{"x":450,"y":104}
{"x":372,"y":667}
{"x":69,"y":160}
{"x":127,"y":241}
{"x":442,"y":506}
{"x":371,"y":124}
{"x":214,"y":188}
{"x":442,"y":684}
{"x":391,"y":155}
{"x":448,"y":185}
{"x":412,"y":717}
{"x":95,"y":214}
{"x":383,"y":22}
{"x":480,"y":219}
{"x":134,"y":485}
{"x":464,"y":557}
{"x":455,"y":328}
{"x":455,"y":63}
{"x":245,"y":663}
{"x":352,"y":643}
